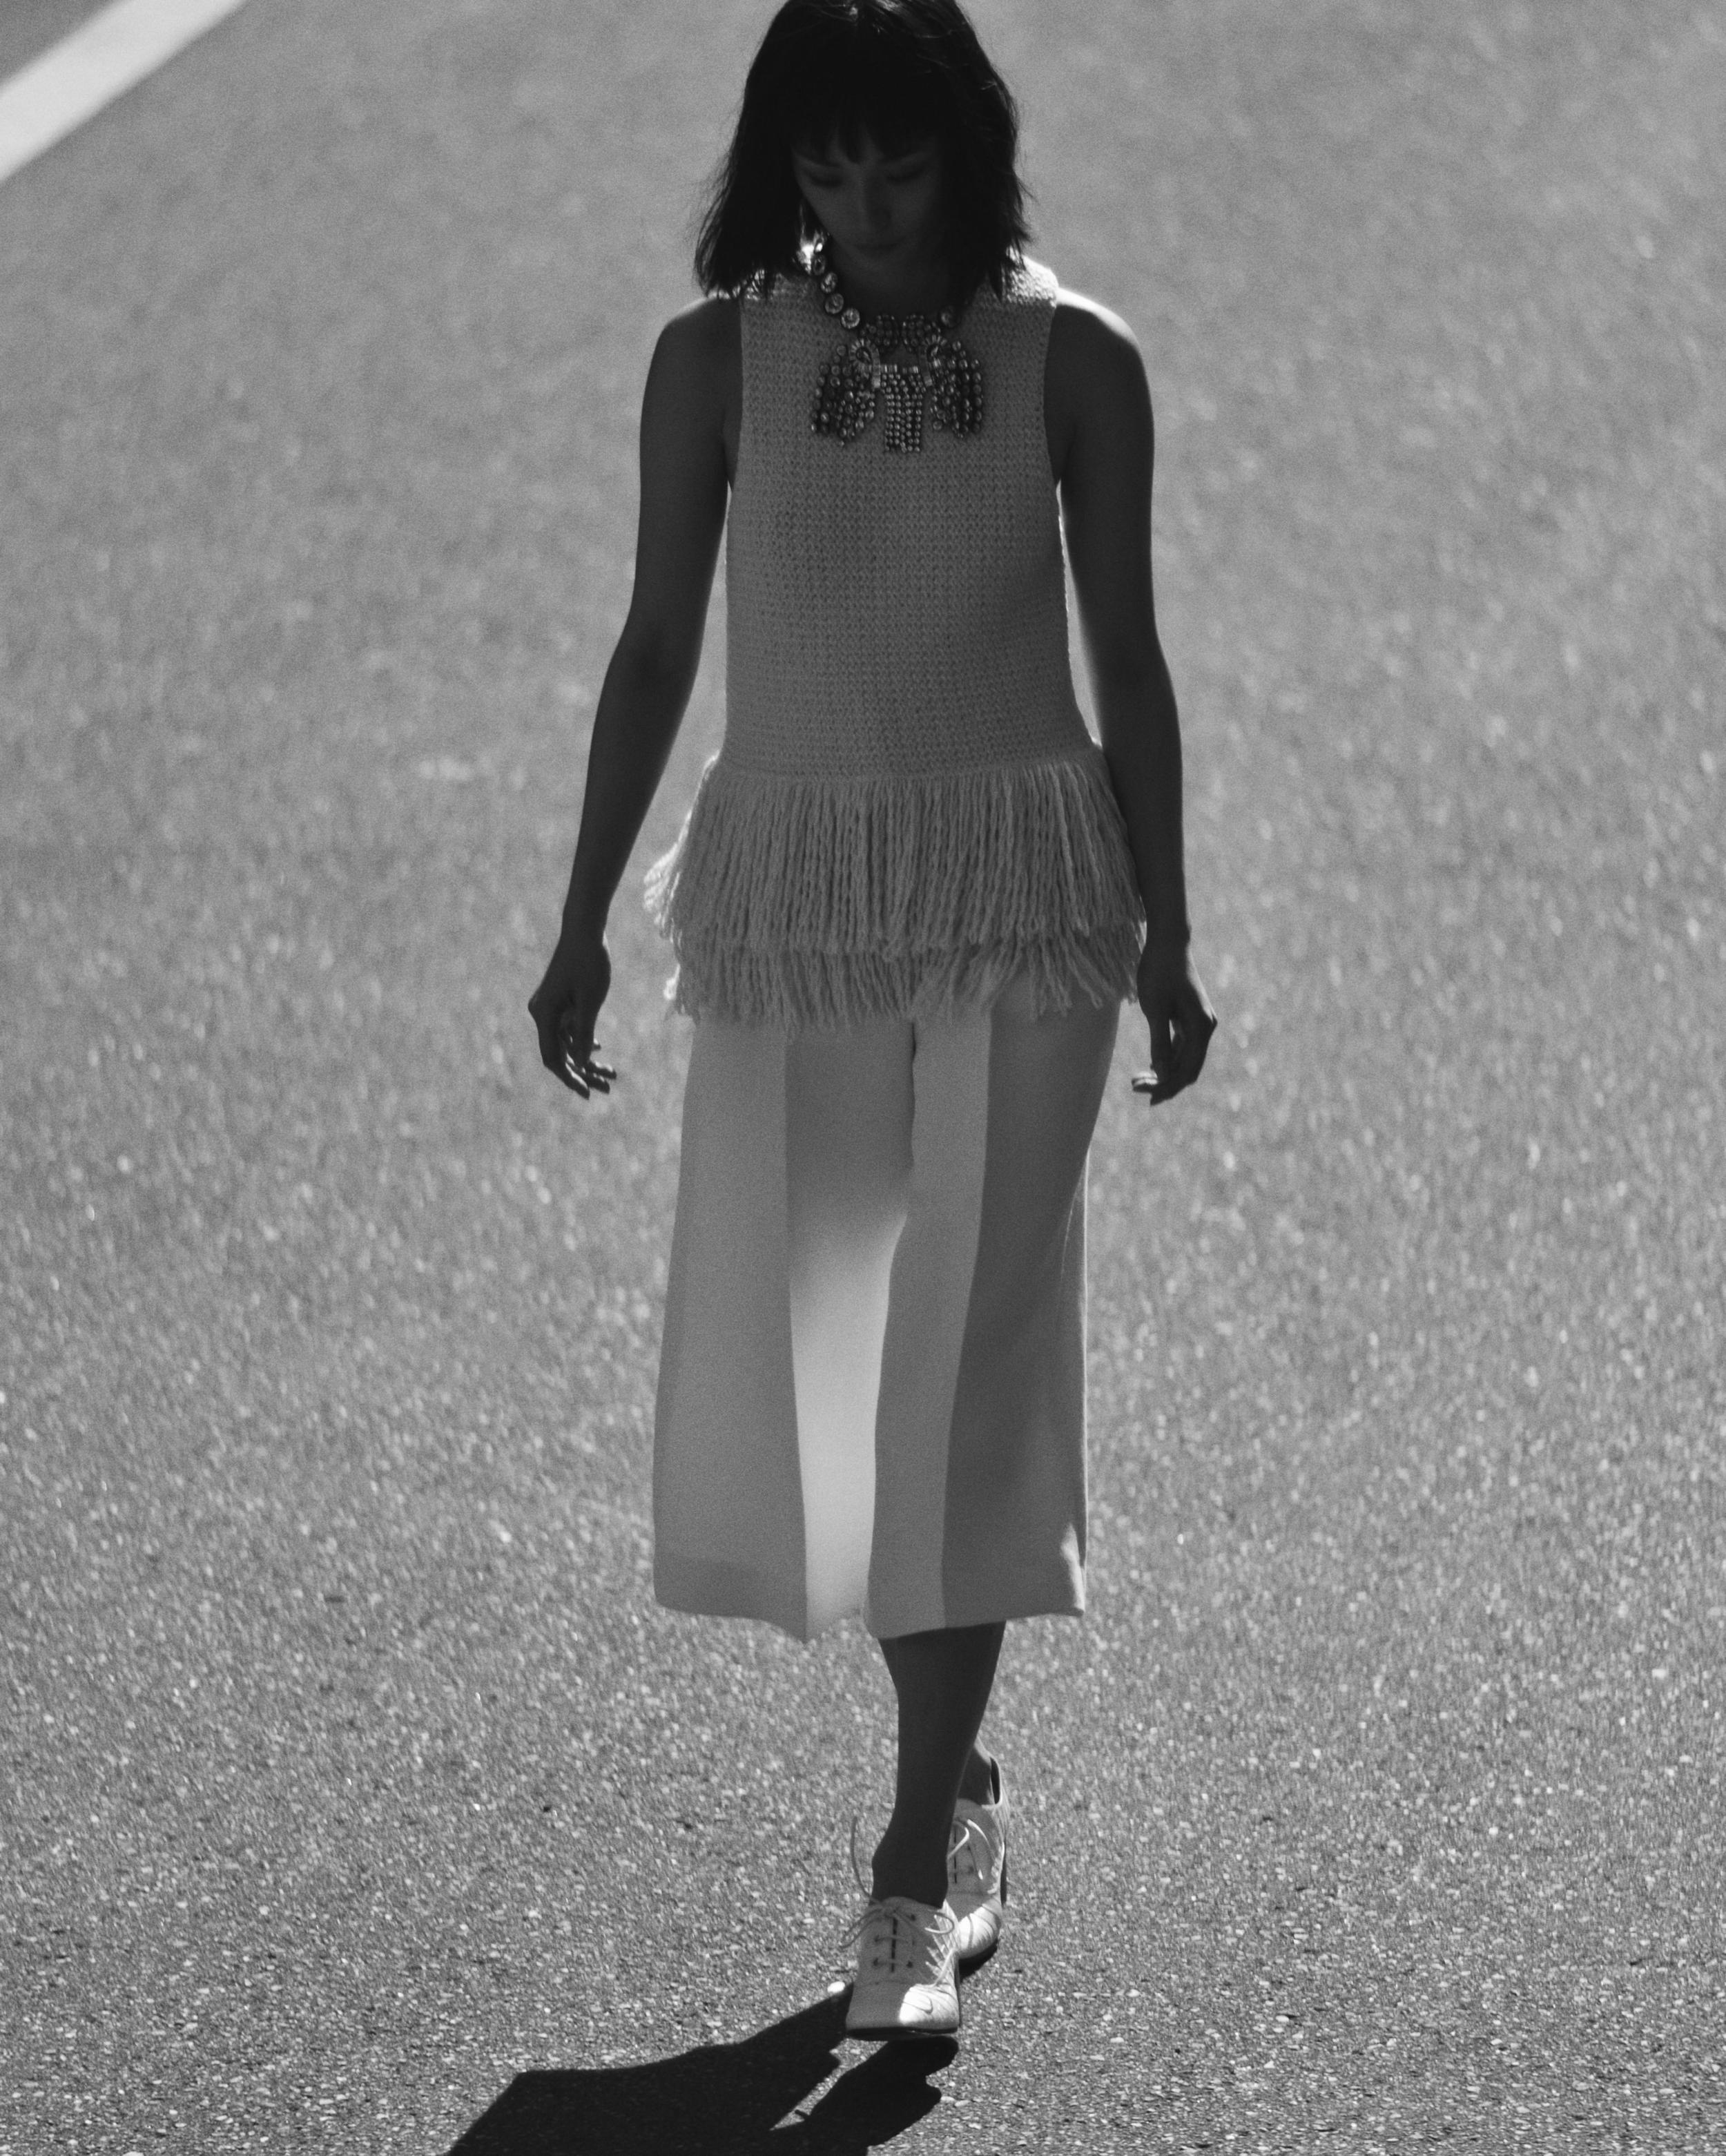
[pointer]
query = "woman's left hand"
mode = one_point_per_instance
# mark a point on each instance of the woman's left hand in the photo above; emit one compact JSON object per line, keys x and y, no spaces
{"x":565,"y":1008}
{"x":1178,"y":1011}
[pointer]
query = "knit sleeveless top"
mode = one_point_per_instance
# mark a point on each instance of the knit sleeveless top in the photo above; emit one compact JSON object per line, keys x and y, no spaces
{"x":907,"y":810}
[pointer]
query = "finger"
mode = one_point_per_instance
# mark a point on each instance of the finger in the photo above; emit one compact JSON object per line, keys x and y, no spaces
{"x":1181,"y":1073}
{"x":1195,"y":1026}
{"x":1156,"y":1090}
{"x":1190,"y":1046}
{"x":1156,"y":1085}
{"x":557,"y":1025}
{"x":1162,"y":1044}
{"x":574,"y":1035}
{"x":1179,"y":1037}
{"x":1178,"y":1072}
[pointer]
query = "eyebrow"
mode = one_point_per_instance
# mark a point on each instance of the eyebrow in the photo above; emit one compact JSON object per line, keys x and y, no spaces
{"x":826,"y":164}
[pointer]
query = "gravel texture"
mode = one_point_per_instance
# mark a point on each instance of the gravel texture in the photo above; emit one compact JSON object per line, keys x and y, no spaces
{"x":356,"y":1796}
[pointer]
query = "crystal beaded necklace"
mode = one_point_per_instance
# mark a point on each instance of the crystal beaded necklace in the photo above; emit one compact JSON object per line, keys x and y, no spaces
{"x":936,"y":369}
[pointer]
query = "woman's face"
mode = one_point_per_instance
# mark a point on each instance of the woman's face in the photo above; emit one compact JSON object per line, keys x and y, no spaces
{"x":885,"y":210}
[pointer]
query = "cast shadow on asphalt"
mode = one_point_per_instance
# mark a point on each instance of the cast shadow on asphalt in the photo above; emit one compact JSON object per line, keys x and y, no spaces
{"x":721,"y":2100}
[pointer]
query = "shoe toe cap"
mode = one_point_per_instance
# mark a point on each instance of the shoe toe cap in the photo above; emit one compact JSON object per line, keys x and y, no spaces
{"x":919,"y":2008}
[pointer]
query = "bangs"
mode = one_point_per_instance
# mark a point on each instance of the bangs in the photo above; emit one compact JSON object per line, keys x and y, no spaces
{"x":861,"y":79}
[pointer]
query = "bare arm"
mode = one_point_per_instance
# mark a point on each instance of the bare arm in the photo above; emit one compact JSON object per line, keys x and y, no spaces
{"x":1102,"y":445}
{"x":683,"y":492}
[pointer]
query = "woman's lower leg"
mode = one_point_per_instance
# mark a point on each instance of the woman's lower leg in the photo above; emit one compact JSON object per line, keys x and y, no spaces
{"x":942,"y":1681}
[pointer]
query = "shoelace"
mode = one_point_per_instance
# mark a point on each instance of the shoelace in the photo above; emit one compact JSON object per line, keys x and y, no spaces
{"x":897,"y":1929}
{"x":897,"y":1937}
{"x":967,"y":1857}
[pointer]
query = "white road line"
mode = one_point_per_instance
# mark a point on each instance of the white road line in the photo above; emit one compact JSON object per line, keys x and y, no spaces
{"x":70,"y":83}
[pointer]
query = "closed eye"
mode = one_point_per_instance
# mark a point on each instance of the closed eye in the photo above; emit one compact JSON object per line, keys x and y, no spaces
{"x":828,"y":176}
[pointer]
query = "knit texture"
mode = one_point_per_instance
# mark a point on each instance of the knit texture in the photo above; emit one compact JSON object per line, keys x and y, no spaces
{"x":907,"y":810}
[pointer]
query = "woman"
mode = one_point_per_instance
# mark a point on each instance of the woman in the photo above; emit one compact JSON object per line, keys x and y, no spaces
{"x":909,"y":898}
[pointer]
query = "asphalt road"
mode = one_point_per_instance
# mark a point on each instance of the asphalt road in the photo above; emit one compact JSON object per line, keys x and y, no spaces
{"x":30,"y":27}
{"x":356,"y":1795}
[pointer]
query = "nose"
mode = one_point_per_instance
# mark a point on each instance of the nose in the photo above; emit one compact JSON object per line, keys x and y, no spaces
{"x":877,"y":208}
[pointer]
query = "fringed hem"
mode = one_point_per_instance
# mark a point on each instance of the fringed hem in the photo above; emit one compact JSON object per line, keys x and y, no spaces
{"x":801,"y":902}
{"x":798,"y":990}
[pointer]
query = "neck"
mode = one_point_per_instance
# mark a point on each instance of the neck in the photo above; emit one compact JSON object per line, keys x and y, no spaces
{"x":917,"y":285}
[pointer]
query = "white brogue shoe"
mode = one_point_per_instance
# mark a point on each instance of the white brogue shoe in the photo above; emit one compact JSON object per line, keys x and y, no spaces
{"x":976,"y":1872}
{"x":906,"y":1983}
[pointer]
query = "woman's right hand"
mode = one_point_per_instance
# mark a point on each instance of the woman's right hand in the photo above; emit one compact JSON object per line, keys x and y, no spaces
{"x":565,"y":1008}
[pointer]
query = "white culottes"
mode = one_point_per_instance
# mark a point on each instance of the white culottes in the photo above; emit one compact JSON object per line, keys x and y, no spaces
{"x":872,"y":1385}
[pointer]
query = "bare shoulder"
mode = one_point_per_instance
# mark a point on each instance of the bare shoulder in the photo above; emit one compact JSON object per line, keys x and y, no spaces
{"x":1092,"y":352}
{"x":1094,"y":386}
{"x":699,"y":348}
{"x":705,"y":331}
{"x":695,"y":383}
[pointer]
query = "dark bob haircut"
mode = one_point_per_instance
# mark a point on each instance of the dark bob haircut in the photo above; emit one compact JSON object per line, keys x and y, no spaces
{"x":900,"y":71}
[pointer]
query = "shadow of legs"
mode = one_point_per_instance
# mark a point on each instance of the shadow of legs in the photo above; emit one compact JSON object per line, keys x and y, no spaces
{"x":722,"y":2100}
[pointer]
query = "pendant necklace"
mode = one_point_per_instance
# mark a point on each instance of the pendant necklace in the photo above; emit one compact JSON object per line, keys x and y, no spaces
{"x":933,"y":368}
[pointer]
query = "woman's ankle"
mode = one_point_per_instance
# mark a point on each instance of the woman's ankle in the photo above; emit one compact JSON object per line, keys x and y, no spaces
{"x":976,"y":1784}
{"x":908,"y":1872}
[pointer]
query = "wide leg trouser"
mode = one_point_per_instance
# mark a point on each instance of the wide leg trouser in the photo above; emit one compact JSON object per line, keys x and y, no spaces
{"x":872,"y":1384}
